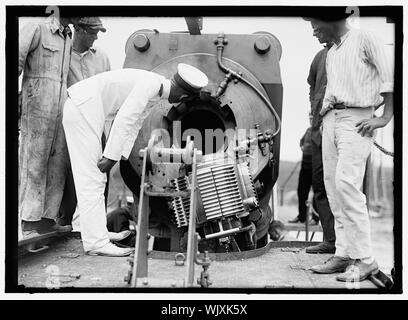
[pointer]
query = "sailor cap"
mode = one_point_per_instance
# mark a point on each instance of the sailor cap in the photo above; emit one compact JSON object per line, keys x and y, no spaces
{"x":190,"y":78}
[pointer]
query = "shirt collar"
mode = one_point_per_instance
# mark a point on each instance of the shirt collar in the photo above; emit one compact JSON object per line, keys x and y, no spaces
{"x":90,"y":50}
{"x":56,"y":26}
{"x":343,"y":38}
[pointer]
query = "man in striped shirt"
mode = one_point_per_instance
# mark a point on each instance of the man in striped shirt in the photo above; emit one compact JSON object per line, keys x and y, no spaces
{"x":359,"y":80}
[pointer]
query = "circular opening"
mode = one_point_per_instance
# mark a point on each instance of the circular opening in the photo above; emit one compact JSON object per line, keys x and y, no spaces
{"x":206,"y":128}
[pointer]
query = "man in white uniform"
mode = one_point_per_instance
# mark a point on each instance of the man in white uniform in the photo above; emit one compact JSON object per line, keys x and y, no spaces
{"x":86,"y":61}
{"x":126,"y":93}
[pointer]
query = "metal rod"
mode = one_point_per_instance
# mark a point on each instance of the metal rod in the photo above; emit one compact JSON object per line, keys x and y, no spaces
{"x":191,"y":247}
{"x":220,"y":42}
{"x":140,"y":267}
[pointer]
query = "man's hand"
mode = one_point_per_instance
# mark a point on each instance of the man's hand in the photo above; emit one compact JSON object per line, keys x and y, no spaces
{"x":366,"y":127}
{"x":105,"y":164}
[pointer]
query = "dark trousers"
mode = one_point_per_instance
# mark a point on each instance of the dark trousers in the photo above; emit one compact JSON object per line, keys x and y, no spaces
{"x":68,"y":202}
{"x":320,"y":197}
{"x":118,"y":221}
{"x":304,"y":186}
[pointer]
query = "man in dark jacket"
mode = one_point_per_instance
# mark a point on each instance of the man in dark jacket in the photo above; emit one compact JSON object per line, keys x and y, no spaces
{"x":317,"y":81}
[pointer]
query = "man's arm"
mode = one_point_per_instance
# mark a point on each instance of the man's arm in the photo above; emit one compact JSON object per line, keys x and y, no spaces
{"x":129,"y":119}
{"x":311,"y":79}
{"x":375,"y":51}
{"x":301,"y":142}
{"x":28,"y":40}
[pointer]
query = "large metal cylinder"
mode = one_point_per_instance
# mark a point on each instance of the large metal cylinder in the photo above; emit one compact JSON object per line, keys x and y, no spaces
{"x":229,"y":119}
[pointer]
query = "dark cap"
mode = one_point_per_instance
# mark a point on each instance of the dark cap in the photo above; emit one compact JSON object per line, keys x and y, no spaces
{"x":190,"y":78}
{"x":329,"y":14}
{"x":92,"y":23}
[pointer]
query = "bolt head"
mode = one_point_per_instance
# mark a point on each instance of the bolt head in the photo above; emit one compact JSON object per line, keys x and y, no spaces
{"x":262,"y":45}
{"x":141,"y":42}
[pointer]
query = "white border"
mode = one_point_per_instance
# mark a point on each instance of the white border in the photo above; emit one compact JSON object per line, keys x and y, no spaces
{"x":185,"y":296}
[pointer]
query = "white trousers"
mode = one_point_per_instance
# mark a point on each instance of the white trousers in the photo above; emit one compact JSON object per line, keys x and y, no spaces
{"x":345,"y":153}
{"x":85,"y":150}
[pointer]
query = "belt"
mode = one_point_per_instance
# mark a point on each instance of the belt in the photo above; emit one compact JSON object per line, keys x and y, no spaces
{"x":341,"y":106}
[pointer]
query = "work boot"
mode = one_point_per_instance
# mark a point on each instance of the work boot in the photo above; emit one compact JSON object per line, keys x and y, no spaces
{"x":315,"y":219}
{"x":30,"y":225}
{"x":28,"y":234}
{"x":49,"y":225}
{"x":358,"y":271}
{"x":332,"y":265}
{"x":128,"y":242}
{"x":297,"y":220}
{"x":36,"y":228}
{"x":110,"y":250}
{"x":322,"y":247}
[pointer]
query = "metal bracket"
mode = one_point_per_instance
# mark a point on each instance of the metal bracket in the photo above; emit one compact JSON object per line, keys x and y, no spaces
{"x":139,"y":275}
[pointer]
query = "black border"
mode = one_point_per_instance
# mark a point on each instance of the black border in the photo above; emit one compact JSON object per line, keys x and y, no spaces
{"x":395,"y":13}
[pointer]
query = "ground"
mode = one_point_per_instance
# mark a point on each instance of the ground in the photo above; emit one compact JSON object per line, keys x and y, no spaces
{"x":382,"y":236}
{"x":282,"y":265}
{"x":65,"y":265}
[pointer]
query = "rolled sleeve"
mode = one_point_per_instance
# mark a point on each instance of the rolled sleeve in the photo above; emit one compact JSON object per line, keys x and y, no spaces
{"x":376,"y":53}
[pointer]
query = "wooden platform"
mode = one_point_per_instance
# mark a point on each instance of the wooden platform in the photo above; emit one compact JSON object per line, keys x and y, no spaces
{"x":281,"y":265}
{"x":288,"y":213}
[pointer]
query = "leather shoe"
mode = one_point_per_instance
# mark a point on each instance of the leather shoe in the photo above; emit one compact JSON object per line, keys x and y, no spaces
{"x":45,"y":225}
{"x":296,"y":220}
{"x":323,"y":247}
{"x":117,"y":236}
{"x":313,"y":222}
{"x":110,"y":250}
{"x":358,"y":271}
{"x":59,"y":228}
{"x":332,"y":265}
{"x":28,"y":234}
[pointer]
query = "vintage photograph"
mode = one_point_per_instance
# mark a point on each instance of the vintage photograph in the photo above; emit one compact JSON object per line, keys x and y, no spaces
{"x":251,"y":149}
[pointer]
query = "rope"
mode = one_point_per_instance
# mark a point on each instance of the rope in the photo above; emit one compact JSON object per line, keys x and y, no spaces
{"x":383,"y":150}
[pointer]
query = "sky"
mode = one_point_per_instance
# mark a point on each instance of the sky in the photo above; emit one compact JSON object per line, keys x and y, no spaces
{"x":298,"y":49}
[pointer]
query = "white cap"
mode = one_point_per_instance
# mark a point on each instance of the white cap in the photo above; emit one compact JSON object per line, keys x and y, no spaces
{"x":190,"y":78}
